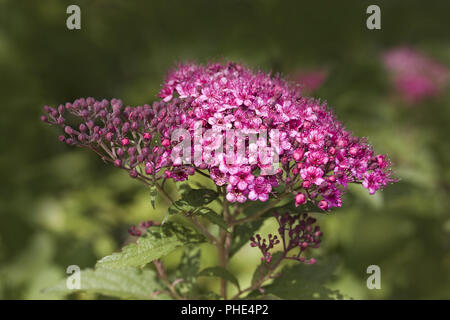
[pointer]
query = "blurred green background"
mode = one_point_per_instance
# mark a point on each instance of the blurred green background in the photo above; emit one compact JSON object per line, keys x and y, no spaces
{"x":61,"y":206}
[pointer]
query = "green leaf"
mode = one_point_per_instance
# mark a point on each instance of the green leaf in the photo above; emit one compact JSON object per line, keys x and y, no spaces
{"x":130,"y":283}
{"x":157,"y":242}
{"x":213,"y":217}
{"x":188,"y":268}
{"x":291,"y":208}
{"x":180,"y":206}
{"x":302,"y":281}
{"x":221,"y":273}
{"x":192,"y":199}
{"x":243,"y":232}
{"x":198,"y":197}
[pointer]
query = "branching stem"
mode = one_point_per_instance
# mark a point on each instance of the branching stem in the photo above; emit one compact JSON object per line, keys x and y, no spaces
{"x":162,"y":275}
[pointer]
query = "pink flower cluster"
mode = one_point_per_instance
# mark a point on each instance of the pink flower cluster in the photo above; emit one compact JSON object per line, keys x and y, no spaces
{"x":415,"y":75}
{"x":318,"y":156}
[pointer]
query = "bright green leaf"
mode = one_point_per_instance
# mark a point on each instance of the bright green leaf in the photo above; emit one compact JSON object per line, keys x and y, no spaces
{"x":264,"y":267}
{"x":198,"y":197}
{"x":221,"y":273}
{"x":156,"y":243}
{"x":130,"y":283}
{"x":242,"y":234}
{"x":188,"y":268}
{"x":303,"y":281}
{"x":212,"y":216}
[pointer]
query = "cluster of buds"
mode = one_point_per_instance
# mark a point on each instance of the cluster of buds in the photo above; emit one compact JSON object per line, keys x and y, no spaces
{"x":265,"y":245}
{"x":137,"y":231}
{"x":296,"y":232}
{"x":136,"y":139}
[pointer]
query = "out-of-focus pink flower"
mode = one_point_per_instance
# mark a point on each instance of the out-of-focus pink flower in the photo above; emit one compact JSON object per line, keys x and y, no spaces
{"x":310,"y":80}
{"x":415,"y":75}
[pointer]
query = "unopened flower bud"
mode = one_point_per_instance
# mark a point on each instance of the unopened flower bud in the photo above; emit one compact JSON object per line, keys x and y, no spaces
{"x":132,"y":151}
{"x":68,"y":130}
{"x":300,"y":199}
{"x":125,"y":142}
{"x":323,"y":205}
{"x":120,"y":152}
{"x":165,"y":143}
{"x":133,"y":173}
{"x":83,"y":127}
{"x":298,"y":154}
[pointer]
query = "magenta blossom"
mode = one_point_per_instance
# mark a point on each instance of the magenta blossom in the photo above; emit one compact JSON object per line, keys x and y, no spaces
{"x":310,"y":80}
{"x":415,"y":75}
{"x":373,"y":181}
{"x":317,"y":155}
{"x":313,"y":175}
{"x":260,"y":189}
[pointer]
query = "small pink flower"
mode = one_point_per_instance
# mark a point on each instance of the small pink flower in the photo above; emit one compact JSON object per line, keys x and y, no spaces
{"x":236,"y":195}
{"x":218,"y":177}
{"x":373,"y":181}
{"x":260,"y":189}
{"x":147,"y":136}
{"x":333,"y":197}
{"x":323,"y":205}
{"x":313,"y":175}
{"x":125,"y":142}
{"x":315,"y":139}
{"x":242,"y":179}
{"x":166,"y":93}
{"x":317,"y":158}
{"x":298,"y":154}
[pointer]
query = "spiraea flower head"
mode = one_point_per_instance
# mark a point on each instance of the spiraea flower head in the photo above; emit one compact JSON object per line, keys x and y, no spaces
{"x":317,"y":156}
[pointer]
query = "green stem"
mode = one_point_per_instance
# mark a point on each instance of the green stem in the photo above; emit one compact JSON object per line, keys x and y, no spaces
{"x":263,"y":279}
{"x":190,"y":218}
{"x":223,"y":247}
{"x":162,"y":275}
